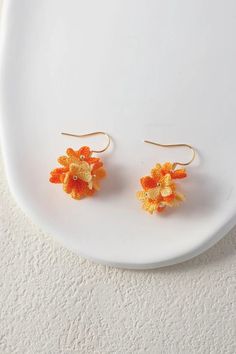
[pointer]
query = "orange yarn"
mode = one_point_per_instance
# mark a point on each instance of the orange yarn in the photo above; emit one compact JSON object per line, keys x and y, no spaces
{"x":80,"y":174}
{"x":159,"y":189}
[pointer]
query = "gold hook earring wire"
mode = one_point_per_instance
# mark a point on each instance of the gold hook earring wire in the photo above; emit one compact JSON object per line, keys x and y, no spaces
{"x":176,"y":145}
{"x":93,"y":134}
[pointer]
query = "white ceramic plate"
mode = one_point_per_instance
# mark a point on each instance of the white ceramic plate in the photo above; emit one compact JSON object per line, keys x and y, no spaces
{"x":163,"y":70}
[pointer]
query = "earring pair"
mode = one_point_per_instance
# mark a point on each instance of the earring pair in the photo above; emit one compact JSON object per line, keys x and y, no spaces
{"x":81,"y":174}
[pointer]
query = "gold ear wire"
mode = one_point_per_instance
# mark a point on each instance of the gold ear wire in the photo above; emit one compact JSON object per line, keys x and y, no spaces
{"x":176,"y":145}
{"x":93,"y":134}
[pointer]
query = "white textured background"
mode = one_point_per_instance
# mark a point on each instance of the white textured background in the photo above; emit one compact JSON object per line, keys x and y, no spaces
{"x":52,"y":301}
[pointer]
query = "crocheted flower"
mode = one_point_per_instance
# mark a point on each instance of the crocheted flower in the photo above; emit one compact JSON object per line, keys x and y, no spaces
{"x":81,"y":173}
{"x":159,"y":189}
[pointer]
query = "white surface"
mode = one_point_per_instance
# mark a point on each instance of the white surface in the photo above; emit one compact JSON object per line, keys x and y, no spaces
{"x":164,"y":71}
{"x":54,"y":302}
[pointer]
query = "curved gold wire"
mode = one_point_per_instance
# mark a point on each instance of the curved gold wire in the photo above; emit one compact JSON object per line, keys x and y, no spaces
{"x":93,"y":134}
{"x":176,"y":145}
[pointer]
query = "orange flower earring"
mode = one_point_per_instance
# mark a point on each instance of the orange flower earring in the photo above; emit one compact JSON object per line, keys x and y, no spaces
{"x":80,"y":173}
{"x":159,"y":189}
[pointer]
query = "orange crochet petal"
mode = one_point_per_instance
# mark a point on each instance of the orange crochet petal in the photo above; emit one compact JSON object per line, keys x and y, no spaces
{"x":63,"y":160}
{"x":75,"y":195}
{"x":160,"y":209}
{"x":62,"y":177}
{"x":89,"y":192}
{"x":69,"y":185}
{"x":97,"y":166}
{"x":148,"y":182}
{"x":55,"y":179}
{"x":92,"y":160}
{"x":81,"y":186}
{"x":170,"y":198}
{"x":58,"y":171}
{"x":100,"y":173}
{"x":84,"y":151}
{"x":179,"y":174}
{"x":167,"y":167}
{"x":71,"y":152}
{"x":96,"y":185}
{"x":156,"y":174}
